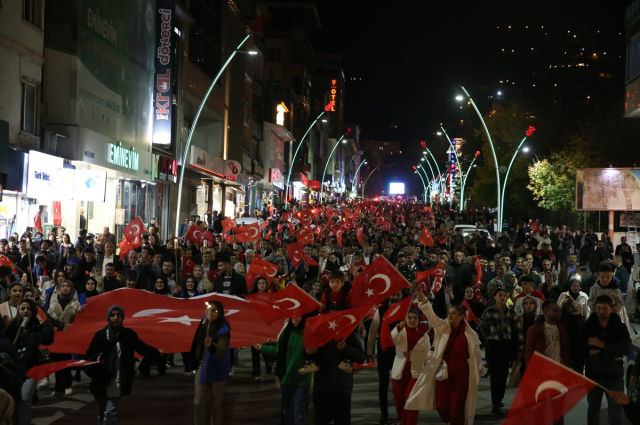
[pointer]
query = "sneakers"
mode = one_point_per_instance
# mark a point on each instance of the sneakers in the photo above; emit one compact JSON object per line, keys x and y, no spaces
{"x":68,"y":391}
{"x":44,"y":383}
{"x":345,"y":366}
{"x":232,"y":371}
{"x":308,"y":368}
{"x":57,"y":393}
{"x":189,"y":374}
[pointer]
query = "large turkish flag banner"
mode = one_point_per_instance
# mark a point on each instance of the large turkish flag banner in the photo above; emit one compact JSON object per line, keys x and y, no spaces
{"x":260,"y":267}
{"x":134,"y":230}
{"x":46,"y":369}
{"x":166,"y":323}
{"x":296,"y":253}
{"x":338,"y":325}
{"x":426,"y":238}
{"x":290,"y":303}
{"x":547,"y":391}
{"x":248,"y":233}
{"x":376,"y":283}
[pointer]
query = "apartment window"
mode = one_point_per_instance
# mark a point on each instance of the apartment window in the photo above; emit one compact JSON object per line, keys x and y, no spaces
{"x":31,"y":11}
{"x":29,"y":103}
{"x":274,"y":54}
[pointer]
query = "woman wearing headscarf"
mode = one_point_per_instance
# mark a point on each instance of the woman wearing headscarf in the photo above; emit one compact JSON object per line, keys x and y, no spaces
{"x":64,"y":309}
{"x":210,"y":352}
{"x":204,"y":285}
{"x":458,"y":345}
{"x":115,"y":346}
{"x":575,"y":311}
{"x":28,"y":340}
{"x":91,"y":290}
{"x":509,"y":282}
{"x":161,"y":286}
{"x":530,"y":309}
{"x":412,"y":346}
{"x":291,"y":356}
{"x":189,"y":290}
{"x":260,"y":286}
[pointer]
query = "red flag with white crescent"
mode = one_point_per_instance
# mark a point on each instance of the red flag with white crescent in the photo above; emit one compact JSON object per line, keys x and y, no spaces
{"x":376,"y":283}
{"x":290,"y":303}
{"x":187,"y":267}
{"x":296,"y":253}
{"x":134,"y":230}
{"x":195,"y":234}
{"x":359,"y":233}
{"x":227,"y":237}
{"x":319,"y":330}
{"x":38,"y":372}
{"x":469,"y":316}
{"x":248,"y":233}
{"x":437,"y":271}
{"x":425,"y":237}
{"x":437,"y":285}
{"x":260,"y":267}
{"x":395,"y":313}
{"x":229,"y":224}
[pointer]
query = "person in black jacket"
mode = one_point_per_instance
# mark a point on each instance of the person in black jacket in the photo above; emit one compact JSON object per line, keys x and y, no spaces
{"x":603,"y":340}
{"x":114,"y":346}
{"x":333,"y":386}
{"x":229,"y":282}
{"x":28,"y":340}
{"x":458,"y":272}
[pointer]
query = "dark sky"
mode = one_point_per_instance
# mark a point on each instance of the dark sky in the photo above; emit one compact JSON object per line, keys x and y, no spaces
{"x":413,"y":55}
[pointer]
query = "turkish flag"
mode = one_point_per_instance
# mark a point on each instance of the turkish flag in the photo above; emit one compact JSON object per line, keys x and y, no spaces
{"x":125,"y":247}
{"x":187,"y":267}
{"x":265,"y":223}
{"x":228,"y":224}
{"x":310,"y":261}
{"x":317,"y":231}
{"x":346,"y":226}
{"x":425,"y":237}
{"x":437,"y":285}
{"x":134,"y":230}
{"x":339,"y":237}
{"x":304,"y":216}
{"x":380,"y":221}
{"x":319,"y":330}
{"x":324,"y":276}
{"x":248,"y":233}
{"x":296,"y":253}
{"x":212,"y":274}
{"x":286,"y":216}
{"x":268,"y":235}
{"x":207,"y":236}
{"x":37,"y":221}
{"x":4,"y":261}
{"x":304,"y":236}
{"x":347,"y":214}
{"x":386,"y":226}
{"x":279,"y":227}
{"x":260,"y":267}
{"x":547,"y":391}
{"x":437,"y":271}
{"x":359,"y":233}
{"x":376,"y":283}
{"x":478,"y":269}
{"x":292,"y":302}
{"x":167,"y":323}
{"x":426,"y":209}
{"x":469,"y":316}
{"x":361,"y":265}
{"x":227,"y":237}
{"x":329,"y":212}
{"x":195,"y":234}
{"x":395,"y":313}
{"x":46,"y":369}
{"x":534,"y":227}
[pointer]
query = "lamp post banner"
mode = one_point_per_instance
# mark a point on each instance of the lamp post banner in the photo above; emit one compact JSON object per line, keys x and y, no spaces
{"x":163,"y":78}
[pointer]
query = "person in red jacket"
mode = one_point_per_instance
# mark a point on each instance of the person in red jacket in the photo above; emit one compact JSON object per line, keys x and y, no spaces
{"x":547,"y":336}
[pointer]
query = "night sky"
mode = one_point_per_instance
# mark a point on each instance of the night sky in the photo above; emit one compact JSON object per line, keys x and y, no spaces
{"x":408,"y":58}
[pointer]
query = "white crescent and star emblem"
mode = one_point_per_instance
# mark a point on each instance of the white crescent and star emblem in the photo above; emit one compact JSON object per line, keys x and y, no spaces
{"x":137,"y":229}
{"x":386,"y":279}
{"x":295,"y":302}
{"x":151,"y":312}
{"x":185,"y":320}
{"x":351,"y":317}
{"x":275,"y":270}
{"x":255,"y":234}
{"x":546,"y":385}
{"x":394,"y":311}
{"x":195,"y":234}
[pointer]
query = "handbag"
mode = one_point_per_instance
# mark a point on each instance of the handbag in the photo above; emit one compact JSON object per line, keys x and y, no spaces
{"x":442,"y":373}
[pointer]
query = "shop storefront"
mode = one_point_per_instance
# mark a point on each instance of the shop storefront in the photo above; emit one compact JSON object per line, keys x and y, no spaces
{"x":14,"y":204}
{"x":301,"y":189}
{"x":273,"y":182}
{"x":165,"y":176}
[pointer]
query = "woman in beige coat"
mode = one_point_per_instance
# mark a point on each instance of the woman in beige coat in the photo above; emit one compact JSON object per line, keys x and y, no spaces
{"x":447,"y":402}
{"x":412,"y":348}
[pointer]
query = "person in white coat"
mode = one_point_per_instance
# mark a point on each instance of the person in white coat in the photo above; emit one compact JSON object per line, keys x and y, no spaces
{"x":455,"y":397}
{"x":412,"y":348}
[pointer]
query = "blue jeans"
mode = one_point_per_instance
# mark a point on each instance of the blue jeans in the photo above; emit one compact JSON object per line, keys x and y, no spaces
{"x":294,"y":403}
{"x":594,"y":398}
{"x":108,"y":410}
{"x":24,"y":407}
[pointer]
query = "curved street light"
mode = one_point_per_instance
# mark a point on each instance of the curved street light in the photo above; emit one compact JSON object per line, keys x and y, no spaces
{"x":293,"y":160}
{"x":195,"y":122}
{"x":439,"y":173}
{"x":506,"y":177}
{"x":355,"y":175}
{"x":493,"y":151}
{"x":464,"y":180}
{"x":424,"y":186}
{"x":327,"y":164}
{"x":426,"y":176}
{"x":367,"y":179}
{"x":453,"y":148}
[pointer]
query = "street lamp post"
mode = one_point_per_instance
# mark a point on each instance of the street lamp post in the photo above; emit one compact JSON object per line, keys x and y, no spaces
{"x":423,"y":185}
{"x":327,"y":164}
{"x":464,"y":180}
{"x":426,"y":176}
{"x":293,"y":160}
{"x":493,"y":151}
{"x":506,"y":177}
{"x":195,"y":122}
{"x":459,"y":164}
{"x":367,"y":179}
{"x":439,"y":173}
{"x":355,"y":175}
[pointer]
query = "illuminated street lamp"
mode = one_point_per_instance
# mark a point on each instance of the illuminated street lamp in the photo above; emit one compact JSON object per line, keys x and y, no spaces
{"x":423,"y":184}
{"x":329,"y":159}
{"x":464,"y":180}
{"x":506,"y":177}
{"x":367,"y":179}
{"x":439,"y":172}
{"x":293,"y":160}
{"x":493,"y":151}
{"x":453,"y":148}
{"x":195,"y":122}
{"x":355,"y":175}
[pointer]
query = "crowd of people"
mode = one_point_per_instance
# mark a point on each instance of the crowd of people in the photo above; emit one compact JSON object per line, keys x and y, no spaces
{"x":531,"y":288}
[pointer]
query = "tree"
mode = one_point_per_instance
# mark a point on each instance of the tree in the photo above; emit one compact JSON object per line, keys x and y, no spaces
{"x":553,"y":180}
